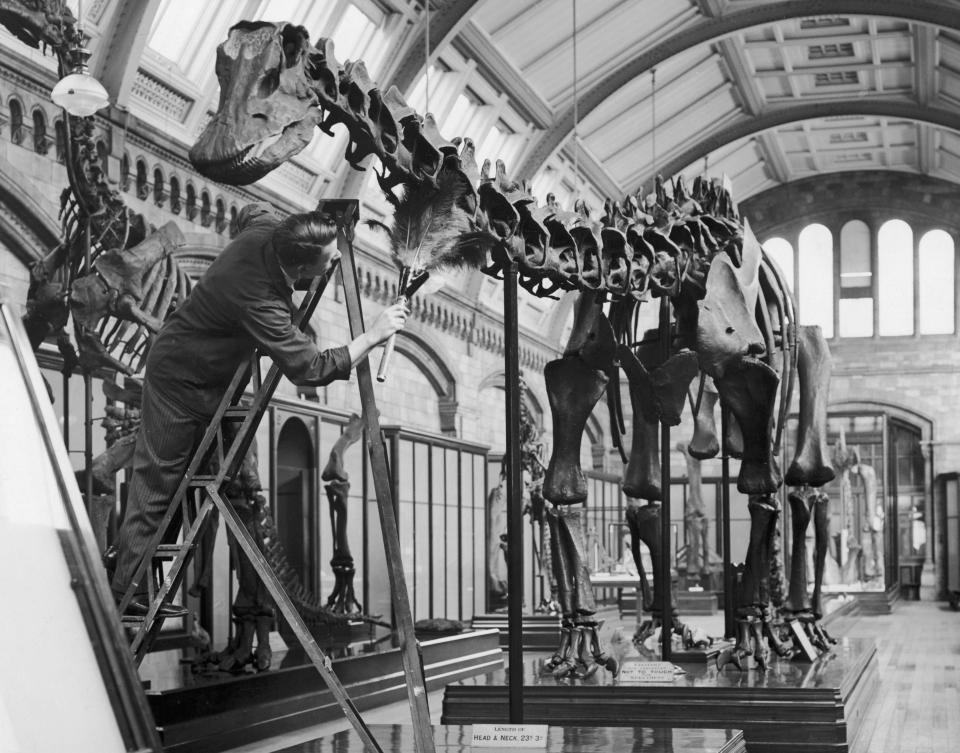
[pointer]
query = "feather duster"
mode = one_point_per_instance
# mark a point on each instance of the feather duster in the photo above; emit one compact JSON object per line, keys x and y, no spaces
{"x":435,"y":228}
{"x":432,"y":229}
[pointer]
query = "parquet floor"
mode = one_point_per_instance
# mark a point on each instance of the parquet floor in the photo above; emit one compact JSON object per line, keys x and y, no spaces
{"x":916,"y":709}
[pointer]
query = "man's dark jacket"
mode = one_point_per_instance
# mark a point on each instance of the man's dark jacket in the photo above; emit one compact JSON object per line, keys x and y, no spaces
{"x":242,"y":301}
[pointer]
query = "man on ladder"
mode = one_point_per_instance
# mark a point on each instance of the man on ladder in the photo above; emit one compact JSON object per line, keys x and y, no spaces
{"x":243,"y":301}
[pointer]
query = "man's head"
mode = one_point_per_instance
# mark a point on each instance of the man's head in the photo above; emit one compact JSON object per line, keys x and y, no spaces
{"x":306,"y":244}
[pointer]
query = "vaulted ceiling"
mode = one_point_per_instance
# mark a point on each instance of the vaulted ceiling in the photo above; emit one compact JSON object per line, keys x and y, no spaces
{"x":765,"y":92}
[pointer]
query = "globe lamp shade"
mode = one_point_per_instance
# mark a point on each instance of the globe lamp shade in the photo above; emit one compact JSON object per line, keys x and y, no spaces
{"x":80,"y":94}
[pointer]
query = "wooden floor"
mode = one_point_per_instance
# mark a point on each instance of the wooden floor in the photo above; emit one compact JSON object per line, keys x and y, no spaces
{"x":917,"y":708}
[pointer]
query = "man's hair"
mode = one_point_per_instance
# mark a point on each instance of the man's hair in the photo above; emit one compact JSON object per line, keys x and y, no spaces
{"x":299,"y":238}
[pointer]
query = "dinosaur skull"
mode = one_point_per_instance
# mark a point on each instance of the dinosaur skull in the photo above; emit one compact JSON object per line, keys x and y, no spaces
{"x":271,"y":80}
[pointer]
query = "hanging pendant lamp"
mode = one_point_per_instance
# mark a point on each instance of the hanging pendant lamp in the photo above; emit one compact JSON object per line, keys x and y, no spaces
{"x":79,"y":93}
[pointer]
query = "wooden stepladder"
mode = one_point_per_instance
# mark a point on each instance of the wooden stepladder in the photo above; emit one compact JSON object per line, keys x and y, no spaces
{"x":199,"y":494}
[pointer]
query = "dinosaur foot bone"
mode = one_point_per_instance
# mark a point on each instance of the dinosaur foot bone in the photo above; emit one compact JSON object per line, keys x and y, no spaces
{"x":814,"y":630}
{"x":749,"y":647}
{"x":579,"y":655}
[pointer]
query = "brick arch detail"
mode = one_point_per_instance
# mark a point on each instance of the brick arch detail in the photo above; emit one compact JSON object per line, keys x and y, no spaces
{"x":426,"y":357}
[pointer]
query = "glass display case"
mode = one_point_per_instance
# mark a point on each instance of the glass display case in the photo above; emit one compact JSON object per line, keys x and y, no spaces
{"x":68,"y":681}
{"x":877,"y":502}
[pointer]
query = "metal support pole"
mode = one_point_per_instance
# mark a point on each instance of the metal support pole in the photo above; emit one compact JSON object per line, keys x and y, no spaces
{"x":514,"y":494}
{"x":87,"y":393}
{"x":664,"y":587}
{"x":729,"y":623}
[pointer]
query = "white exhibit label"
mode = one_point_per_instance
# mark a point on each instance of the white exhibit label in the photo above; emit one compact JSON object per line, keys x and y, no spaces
{"x":509,"y":736}
{"x":647,"y":671}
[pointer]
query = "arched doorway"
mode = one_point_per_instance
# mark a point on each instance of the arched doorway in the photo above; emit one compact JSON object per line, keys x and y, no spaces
{"x":295,"y":513}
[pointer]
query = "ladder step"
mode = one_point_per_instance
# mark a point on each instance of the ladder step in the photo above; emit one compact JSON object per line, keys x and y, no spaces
{"x":167,"y":551}
{"x":202,"y":481}
{"x":132,"y":619}
{"x":238,"y":413}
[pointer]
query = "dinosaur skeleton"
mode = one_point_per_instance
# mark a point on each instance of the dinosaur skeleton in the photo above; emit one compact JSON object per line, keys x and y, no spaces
{"x":118,"y":302}
{"x":732,"y":316}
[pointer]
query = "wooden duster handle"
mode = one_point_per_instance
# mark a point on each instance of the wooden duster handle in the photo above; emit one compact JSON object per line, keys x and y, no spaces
{"x":392,"y":340}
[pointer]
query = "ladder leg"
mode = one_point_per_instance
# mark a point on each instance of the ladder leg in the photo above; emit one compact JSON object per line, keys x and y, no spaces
{"x":409,"y":648}
{"x":151,"y":625}
{"x":285,"y":605}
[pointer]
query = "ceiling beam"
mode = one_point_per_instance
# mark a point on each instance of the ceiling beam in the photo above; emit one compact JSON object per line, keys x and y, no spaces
{"x":810,"y":39}
{"x":592,"y":169}
{"x":703,"y":30}
{"x":774,"y":157}
{"x":925,"y":70}
{"x":446,"y":21}
{"x":827,"y":67}
{"x":778,"y":116}
{"x":477,"y":45}
{"x":118,"y":51}
{"x":742,"y":77}
{"x":521,"y":16}
{"x":926,"y":149}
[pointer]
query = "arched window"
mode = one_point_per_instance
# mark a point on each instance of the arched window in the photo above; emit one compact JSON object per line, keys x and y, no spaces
{"x":175,"y":205}
{"x":781,"y":252}
{"x":856,"y":281}
{"x":143,"y":188}
{"x":60,"y":138}
{"x":159,"y":195}
{"x":895,"y":278}
{"x":233,"y":220}
{"x":815,"y":285}
{"x":41,"y":145}
{"x":191,"y":201}
{"x":220,"y":223}
{"x":16,"y":121}
{"x":205,"y":216}
{"x":125,"y":172}
{"x":937,"y":275}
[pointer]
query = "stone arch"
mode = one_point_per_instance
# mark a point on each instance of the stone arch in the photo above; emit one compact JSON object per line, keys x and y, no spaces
{"x":191,"y":201}
{"x":784,"y":115}
{"x":598,"y":447}
{"x":41,"y":141}
{"x":175,"y":199}
{"x":441,"y":378}
{"x":706,"y":30}
{"x":159,"y":184}
{"x":25,"y":228}
{"x":142,"y":184}
{"x":880,"y":402}
{"x":15,"y":107}
{"x":295,"y":489}
{"x":498,"y":379}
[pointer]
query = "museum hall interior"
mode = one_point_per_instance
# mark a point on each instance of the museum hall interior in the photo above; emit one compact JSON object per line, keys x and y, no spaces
{"x":435,"y":376}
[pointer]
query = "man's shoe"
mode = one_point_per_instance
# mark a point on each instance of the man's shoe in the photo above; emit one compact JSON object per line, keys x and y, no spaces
{"x":138,"y":608}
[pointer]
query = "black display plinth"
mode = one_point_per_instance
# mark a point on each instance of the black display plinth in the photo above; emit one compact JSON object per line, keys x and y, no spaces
{"x":793,"y":706}
{"x":223,"y":713}
{"x":395,"y":738}
{"x":540,"y":632}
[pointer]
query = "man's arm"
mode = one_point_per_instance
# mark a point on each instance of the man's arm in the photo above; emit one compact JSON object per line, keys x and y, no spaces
{"x":297,"y":355}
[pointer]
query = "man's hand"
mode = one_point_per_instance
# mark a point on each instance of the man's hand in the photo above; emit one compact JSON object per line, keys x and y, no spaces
{"x":391,"y":319}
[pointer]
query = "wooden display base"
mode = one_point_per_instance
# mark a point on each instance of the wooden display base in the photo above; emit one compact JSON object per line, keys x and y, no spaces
{"x":696,"y":602}
{"x":222,"y":714}
{"x":541,"y":632}
{"x":453,"y":738}
{"x":794,"y":706}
